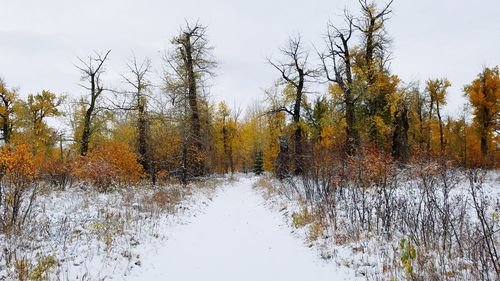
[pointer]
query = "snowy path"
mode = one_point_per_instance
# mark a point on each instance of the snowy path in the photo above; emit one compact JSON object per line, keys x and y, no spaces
{"x":237,"y":238}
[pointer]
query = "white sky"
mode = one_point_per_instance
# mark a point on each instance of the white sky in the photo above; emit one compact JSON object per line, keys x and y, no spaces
{"x":39,"y":40}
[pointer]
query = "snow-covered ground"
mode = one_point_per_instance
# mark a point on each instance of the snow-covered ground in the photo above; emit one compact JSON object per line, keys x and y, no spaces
{"x":222,"y":232}
{"x":81,"y":234}
{"x":214,"y":230}
{"x":236,"y":238}
{"x":368,"y":255}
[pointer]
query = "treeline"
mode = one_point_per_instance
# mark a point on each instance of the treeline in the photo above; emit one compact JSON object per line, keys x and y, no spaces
{"x":173,"y":130}
{"x":368,"y":106}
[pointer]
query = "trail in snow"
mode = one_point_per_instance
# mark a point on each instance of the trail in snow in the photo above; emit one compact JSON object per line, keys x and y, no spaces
{"x":237,"y":238}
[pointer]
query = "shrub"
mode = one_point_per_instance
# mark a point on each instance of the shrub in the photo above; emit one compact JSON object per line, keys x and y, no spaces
{"x":372,"y":167}
{"x":167,"y":199}
{"x":17,"y":173}
{"x":316,"y":231}
{"x":408,"y":256}
{"x":56,"y":171}
{"x":109,"y":164}
{"x":43,"y":266}
{"x":302,"y":218}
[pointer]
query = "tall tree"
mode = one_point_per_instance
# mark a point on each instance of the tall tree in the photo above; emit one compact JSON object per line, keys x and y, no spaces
{"x":91,"y":71}
{"x":371,"y":24}
{"x":375,"y":40}
{"x":189,"y":63}
{"x":295,"y":72}
{"x":224,"y":114}
{"x":484,"y":94}
{"x":138,"y":80}
{"x":417,"y":117}
{"x":437,"y":94}
{"x":338,"y":64}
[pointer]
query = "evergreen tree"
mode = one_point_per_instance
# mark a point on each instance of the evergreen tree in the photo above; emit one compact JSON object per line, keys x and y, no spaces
{"x":258,"y":164}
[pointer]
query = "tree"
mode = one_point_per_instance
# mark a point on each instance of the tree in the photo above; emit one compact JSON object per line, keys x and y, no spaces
{"x":7,"y":99}
{"x":400,"y":130}
{"x":338,"y":66}
{"x":417,"y":117}
{"x":188,"y":64}
{"x":252,"y":138}
{"x":137,"y":99}
{"x":437,"y":93}
{"x":226,"y":126}
{"x":374,"y":56}
{"x":36,"y":109}
{"x":91,"y":71}
{"x":258,"y":164}
{"x":295,"y":72}
{"x":375,"y":40}
{"x":484,"y":94}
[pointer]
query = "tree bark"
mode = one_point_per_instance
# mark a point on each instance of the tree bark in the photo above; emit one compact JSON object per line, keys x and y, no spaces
{"x":195,"y":123}
{"x":441,"y":136}
{"x":92,"y":73}
{"x":298,"y":161}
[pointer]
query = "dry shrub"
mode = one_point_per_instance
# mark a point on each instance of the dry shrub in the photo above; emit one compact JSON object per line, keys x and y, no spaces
{"x":17,"y":173}
{"x":316,"y":231}
{"x":109,"y":164}
{"x":371,"y":166}
{"x":208,"y":183}
{"x":265,"y":184}
{"x":56,"y":171}
{"x":167,"y":199}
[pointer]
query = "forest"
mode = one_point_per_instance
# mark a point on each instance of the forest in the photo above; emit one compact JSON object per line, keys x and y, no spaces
{"x":359,"y":157}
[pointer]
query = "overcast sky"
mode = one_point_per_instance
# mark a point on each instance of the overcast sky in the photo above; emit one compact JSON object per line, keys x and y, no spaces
{"x":40,"y":40}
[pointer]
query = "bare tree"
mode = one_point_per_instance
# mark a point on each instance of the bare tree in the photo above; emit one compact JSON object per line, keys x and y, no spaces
{"x":295,"y":72}
{"x":91,"y":71}
{"x":137,"y":101}
{"x":189,"y":63}
{"x":338,"y":67}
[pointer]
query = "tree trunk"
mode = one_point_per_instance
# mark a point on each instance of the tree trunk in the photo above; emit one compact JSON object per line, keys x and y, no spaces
{"x":441,"y":137}
{"x":352,"y":133}
{"x":429,"y":129}
{"x":225,"y":145}
{"x":193,"y":104}
{"x":298,"y":161}
{"x":6,"y":129}
{"x":144,"y":160}
{"x":282,"y":160}
{"x":86,"y":129}
{"x":400,"y":135}
{"x":484,"y":132}
{"x":484,"y":143}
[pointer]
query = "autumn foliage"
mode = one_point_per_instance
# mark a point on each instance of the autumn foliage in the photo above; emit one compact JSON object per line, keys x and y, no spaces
{"x":109,"y":164}
{"x":18,"y":171}
{"x":484,"y":94}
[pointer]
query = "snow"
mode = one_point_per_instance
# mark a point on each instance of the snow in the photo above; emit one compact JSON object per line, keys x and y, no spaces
{"x":236,"y":238}
{"x":219,"y":230}
{"x":96,"y":236}
{"x":371,"y":256}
